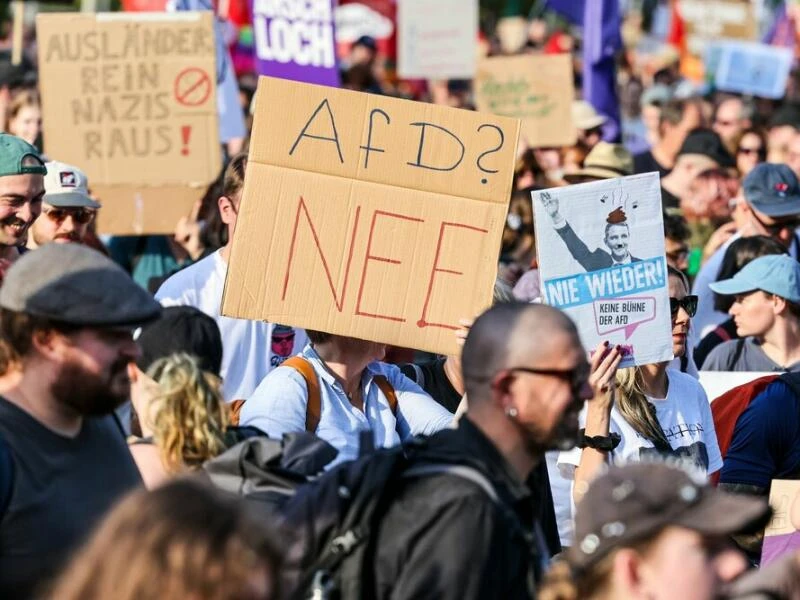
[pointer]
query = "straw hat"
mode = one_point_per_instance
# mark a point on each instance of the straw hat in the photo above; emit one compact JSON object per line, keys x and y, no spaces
{"x":584,"y":116}
{"x":604,"y":161}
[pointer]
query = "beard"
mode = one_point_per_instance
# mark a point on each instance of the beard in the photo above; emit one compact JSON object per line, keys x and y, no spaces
{"x":563,"y":437}
{"x":88,"y":394}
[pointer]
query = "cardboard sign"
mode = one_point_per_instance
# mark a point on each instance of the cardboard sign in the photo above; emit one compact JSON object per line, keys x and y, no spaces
{"x":755,"y":69}
{"x":536,"y":89}
{"x":601,"y":260}
{"x":709,"y":20}
{"x":781,"y":536}
{"x":437,"y":40}
{"x":130,"y":98}
{"x":369,"y":216}
{"x":295,"y":40}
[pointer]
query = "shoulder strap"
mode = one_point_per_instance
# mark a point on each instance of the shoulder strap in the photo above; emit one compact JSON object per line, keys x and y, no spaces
{"x":738,"y":352}
{"x":388,"y":391}
{"x":236,"y":411}
{"x":313,"y":404}
{"x":462,"y":471}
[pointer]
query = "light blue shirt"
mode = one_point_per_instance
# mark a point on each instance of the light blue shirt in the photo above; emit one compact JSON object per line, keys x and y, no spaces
{"x":278,"y":406}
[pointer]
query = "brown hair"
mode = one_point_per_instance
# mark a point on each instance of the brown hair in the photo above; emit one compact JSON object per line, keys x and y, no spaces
{"x":318,"y":337}
{"x":16,"y":335}
{"x":184,"y":539}
{"x":190,"y":415}
{"x":20,"y":100}
{"x":233,"y":179}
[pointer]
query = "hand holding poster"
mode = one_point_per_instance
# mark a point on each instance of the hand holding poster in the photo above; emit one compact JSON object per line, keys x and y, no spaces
{"x":601,"y":260}
{"x":536,"y":89}
{"x":368,"y":216}
{"x":131,"y":100}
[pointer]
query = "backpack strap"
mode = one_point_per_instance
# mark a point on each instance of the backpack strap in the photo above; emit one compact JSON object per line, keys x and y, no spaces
{"x":388,"y":392}
{"x":236,"y":411}
{"x":314,"y":403}
{"x":461,"y":471}
{"x":737,"y":354}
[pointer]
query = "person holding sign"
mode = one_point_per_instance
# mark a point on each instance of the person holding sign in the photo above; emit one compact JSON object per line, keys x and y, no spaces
{"x":339,"y":389}
{"x":617,"y":238}
{"x":650,"y":410}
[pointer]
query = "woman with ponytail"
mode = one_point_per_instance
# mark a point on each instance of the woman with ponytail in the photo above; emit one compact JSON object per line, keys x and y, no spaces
{"x":650,"y":410}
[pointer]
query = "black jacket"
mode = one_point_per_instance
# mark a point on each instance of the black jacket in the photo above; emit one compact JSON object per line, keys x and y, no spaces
{"x":443,"y":536}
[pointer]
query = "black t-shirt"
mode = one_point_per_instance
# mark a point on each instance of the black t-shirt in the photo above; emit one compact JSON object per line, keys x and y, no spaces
{"x":645,"y":163}
{"x":61,"y":488}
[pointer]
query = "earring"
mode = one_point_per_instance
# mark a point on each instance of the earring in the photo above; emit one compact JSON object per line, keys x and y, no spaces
{"x":511,"y":412}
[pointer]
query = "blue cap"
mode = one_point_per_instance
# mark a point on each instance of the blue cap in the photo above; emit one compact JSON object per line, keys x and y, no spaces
{"x":773,"y":189}
{"x":777,"y":274}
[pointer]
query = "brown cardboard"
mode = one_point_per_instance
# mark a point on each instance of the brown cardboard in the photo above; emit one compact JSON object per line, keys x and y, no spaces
{"x":537,"y":89}
{"x":131,"y":100}
{"x":360,"y":216}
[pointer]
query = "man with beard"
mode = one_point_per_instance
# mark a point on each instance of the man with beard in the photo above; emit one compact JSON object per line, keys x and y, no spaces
{"x":21,"y":190}
{"x":67,"y":316}
{"x":67,"y":211}
{"x":455,"y":536}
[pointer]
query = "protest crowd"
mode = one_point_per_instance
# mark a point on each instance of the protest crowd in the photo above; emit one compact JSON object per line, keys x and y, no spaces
{"x":400,"y":299}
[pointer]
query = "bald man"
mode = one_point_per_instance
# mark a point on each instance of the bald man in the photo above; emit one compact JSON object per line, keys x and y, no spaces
{"x":472,"y":534}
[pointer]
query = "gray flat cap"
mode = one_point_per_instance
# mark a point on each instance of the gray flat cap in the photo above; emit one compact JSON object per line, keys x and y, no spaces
{"x":73,"y":284}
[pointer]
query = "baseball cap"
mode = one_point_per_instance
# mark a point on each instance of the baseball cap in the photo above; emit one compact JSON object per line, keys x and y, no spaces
{"x":773,"y":189}
{"x":65,"y":185}
{"x":633,"y":502}
{"x":75,"y":285}
{"x":181,"y":329}
{"x":18,"y":157}
{"x":706,"y":142}
{"x":367,"y":41}
{"x":777,"y":274}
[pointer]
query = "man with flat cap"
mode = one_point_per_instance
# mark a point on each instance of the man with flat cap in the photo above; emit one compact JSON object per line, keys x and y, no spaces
{"x":67,"y":315}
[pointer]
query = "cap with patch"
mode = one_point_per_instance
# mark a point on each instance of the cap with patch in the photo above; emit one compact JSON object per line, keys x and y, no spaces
{"x":773,"y":189}
{"x":66,"y":186}
{"x":634,"y":502}
{"x":18,"y":157}
{"x":75,"y":285}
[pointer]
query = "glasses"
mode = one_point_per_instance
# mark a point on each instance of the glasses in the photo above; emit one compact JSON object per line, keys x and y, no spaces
{"x":82,"y":216}
{"x":577,"y":377}
{"x":678,"y":254}
{"x":688,"y":303}
{"x":744,"y":150}
{"x":776,"y":228}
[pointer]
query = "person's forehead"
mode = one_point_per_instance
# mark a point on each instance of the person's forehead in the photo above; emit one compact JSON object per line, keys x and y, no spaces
{"x":618,"y":228}
{"x":29,"y":185}
{"x":729,"y":108}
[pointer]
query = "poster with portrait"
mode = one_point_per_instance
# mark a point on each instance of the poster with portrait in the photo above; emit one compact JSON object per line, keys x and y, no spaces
{"x":601,"y":260}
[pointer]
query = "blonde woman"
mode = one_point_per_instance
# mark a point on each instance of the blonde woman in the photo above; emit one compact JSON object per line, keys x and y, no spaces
{"x":24,"y":117}
{"x":650,"y":410}
{"x":183,"y":540}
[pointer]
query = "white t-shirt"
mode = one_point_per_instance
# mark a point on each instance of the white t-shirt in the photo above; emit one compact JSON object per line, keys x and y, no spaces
{"x":685,"y":417}
{"x":246,"y":344}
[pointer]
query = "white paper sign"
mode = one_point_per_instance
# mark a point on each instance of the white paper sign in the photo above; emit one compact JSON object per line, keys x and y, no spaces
{"x":756,"y":69}
{"x":601,"y":260}
{"x":437,"y":40}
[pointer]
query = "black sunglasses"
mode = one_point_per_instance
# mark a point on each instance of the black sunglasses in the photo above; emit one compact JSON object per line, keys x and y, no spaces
{"x":576,"y":377}
{"x":82,"y":216}
{"x":688,"y":303}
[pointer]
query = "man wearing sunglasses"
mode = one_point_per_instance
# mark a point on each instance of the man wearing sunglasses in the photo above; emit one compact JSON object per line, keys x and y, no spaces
{"x":67,"y":211}
{"x":768,"y":204}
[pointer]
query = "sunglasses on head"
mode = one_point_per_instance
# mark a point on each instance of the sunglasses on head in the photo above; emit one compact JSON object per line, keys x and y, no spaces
{"x":688,"y":303}
{"x":81,"y":216}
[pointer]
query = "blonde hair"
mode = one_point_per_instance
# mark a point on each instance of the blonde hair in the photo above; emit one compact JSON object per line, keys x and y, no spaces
{"x":190,"y":415}
{"x":20,"y":100}
{"x":184,"y":539}
{"x":638,"y":411}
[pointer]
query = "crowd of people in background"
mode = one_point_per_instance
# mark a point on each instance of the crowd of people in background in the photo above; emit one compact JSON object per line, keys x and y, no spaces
{"x":151,"y":447}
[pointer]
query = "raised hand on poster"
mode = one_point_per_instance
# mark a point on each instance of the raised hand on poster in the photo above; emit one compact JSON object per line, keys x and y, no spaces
{"x":550,"y":204}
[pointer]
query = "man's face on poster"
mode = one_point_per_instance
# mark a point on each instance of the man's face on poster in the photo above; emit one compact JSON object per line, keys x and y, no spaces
{"x":617,"y":240}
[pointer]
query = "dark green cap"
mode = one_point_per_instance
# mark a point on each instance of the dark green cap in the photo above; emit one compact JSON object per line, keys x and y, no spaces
{"x":18,"y":157}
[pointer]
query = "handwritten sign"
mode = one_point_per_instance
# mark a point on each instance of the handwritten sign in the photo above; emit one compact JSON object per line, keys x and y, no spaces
{"x":710,"y":20}
{"x":601,"y":259}
{"x":756,"y":69}
{"x":369,"y":216}
{"x":538,"y":90}
{"x":781,"y":536}
{"x":131,"y":99}
{"x":437,"y":40}
{"x":295,"y":40}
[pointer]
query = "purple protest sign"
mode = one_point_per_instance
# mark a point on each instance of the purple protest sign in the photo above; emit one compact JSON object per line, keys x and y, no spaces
{"x":294,"y":40}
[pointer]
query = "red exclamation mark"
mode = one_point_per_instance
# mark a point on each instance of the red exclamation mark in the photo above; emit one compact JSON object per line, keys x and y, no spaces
{"x":186,"y":131}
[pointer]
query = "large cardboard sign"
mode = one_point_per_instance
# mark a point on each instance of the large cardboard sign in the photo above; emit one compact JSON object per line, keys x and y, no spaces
{"x":130,"y":98}
{"x":782,"y":535}
{"x":369,"y":216}
{"x":711,"y":20}
{"x":295,"y":40}
{"x":601,"y":259}
{"x":755,"y":69}
{"x":538,"y":90}
{"x":437,"y":40}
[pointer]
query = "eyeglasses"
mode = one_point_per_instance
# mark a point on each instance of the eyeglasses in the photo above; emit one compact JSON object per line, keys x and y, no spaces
{"x":82,"y":216}
{"x":678,"y":254}
{"x":776,"y":228}
{"x":688,"y":303}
